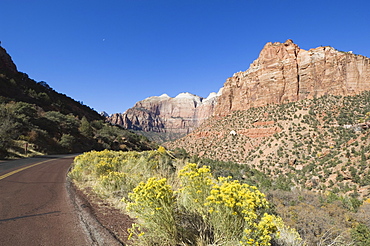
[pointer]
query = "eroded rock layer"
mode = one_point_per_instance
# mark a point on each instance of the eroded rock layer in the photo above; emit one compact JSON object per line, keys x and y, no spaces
{"x":165,"y":114}
{"x":284,"y":73}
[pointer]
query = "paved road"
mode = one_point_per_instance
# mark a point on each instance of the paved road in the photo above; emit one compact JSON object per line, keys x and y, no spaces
{"x":35,"y":208}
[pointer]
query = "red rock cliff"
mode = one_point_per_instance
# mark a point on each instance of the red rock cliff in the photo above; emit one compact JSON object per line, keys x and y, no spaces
{"x":283,"y":72}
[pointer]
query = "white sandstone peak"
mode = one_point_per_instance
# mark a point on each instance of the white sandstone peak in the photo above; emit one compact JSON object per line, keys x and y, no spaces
{"x":186,"y":95}
{"x":164,"y":95}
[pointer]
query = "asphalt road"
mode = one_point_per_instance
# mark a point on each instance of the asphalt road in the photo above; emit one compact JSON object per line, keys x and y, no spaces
{"x":35,"y":208}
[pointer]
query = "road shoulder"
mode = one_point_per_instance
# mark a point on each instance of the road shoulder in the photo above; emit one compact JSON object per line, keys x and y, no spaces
{"x":104,"y":224}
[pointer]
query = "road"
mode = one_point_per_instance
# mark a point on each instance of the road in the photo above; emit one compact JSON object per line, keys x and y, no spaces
{"x":35,"y":208}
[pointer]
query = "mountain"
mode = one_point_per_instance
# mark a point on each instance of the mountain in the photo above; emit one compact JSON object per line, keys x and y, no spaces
{"x":282,"y":73}
{"x":165,"y":118}
{"x":285,"y":73}
{"x":295,"y":115}
{"x":35,"y":119}
{"x":17,"y":86}
{"x":319,"y":144}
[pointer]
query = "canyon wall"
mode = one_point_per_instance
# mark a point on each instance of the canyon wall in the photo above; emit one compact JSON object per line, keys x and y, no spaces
{"x":284,"y":73}
{"x":164,"y":114}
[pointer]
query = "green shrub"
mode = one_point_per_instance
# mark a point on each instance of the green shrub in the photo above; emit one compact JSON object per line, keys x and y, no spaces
{"x":361,"y":235}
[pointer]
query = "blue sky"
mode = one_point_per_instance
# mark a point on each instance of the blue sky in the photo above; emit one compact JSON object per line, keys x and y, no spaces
{"x":110,"y":54}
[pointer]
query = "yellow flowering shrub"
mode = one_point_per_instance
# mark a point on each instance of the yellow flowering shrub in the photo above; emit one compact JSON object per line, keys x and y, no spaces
{"x":103,"y":167}
{"x":113,"y":181}
{"x":192,"y":208}
{"x":286,"y":235}
{"x":204,"y":210}
{"x":161,"y":149}
{"x":154,"y":203}
{"x":240,"y":208}
{"x":196,"y":184}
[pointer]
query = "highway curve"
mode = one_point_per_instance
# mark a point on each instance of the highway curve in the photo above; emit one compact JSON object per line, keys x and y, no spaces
{"x":35,"y":207}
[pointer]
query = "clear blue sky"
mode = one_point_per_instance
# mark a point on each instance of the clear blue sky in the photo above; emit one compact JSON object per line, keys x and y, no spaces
{"x":110,"y":54}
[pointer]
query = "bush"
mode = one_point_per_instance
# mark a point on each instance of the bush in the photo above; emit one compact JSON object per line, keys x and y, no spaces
{"x":361,"y":235}
{"x":203,"y":211}
{"x":178,"y":204}
{"x":154,"y":203}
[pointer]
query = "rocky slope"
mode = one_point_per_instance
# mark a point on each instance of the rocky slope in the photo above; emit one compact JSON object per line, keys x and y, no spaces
{"x":168,"y":117}
{"x":297,"y":114}
{"x":320,"y":144}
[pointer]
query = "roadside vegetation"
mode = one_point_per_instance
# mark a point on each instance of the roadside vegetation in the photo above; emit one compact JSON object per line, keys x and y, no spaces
{"x":180,"y":203}
{"x":183,"y":200}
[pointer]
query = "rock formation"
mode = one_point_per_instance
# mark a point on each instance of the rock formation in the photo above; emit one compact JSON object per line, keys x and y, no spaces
{"x":164,"y":114}
{"x":284,"y":73}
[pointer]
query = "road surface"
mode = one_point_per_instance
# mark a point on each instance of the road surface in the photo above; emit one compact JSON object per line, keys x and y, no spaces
{"x":35,"y":207}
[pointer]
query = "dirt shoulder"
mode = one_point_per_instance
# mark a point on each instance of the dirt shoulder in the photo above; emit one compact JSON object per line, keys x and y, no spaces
{"x":105,"y":224}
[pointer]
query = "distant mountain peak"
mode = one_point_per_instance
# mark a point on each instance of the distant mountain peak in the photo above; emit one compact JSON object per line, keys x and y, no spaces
{"x":104,"y":114}
{"x":164,"y":96}
{"x":187,"y":95}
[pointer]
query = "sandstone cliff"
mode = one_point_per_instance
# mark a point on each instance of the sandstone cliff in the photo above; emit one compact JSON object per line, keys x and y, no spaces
{"x":284,"y":73}
{"x":166,"y":115}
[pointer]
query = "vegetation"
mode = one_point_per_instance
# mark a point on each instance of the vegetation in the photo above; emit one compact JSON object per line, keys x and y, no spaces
{"x":26,"y":129}
{"x":35,"y":119}
{"x":177,"y":200}
{"x":311,"y":159}
{"x":180,"y":203}
{"x":320,"y":144}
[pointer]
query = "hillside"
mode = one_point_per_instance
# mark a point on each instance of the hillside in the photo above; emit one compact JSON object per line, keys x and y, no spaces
{"x":320,"y":144}
{"x":17,"y":86}
{"x":35,"y":119}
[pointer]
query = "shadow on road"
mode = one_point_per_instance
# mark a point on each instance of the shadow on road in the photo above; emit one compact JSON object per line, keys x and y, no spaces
{"x":28,"y":216}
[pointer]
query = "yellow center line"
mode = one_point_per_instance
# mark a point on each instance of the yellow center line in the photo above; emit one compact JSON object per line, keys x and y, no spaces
{"x":21,"y":169}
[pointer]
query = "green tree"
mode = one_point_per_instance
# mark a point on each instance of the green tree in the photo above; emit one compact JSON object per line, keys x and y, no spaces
{"x":8,"y":127}
{"x":67,"y":141}
{"x":85,"y":127}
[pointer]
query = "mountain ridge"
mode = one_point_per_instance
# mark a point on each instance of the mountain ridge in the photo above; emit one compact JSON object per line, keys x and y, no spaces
{"x":282,"y":73}
{"x":168,"y":117}
{"x":35,"y":119}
